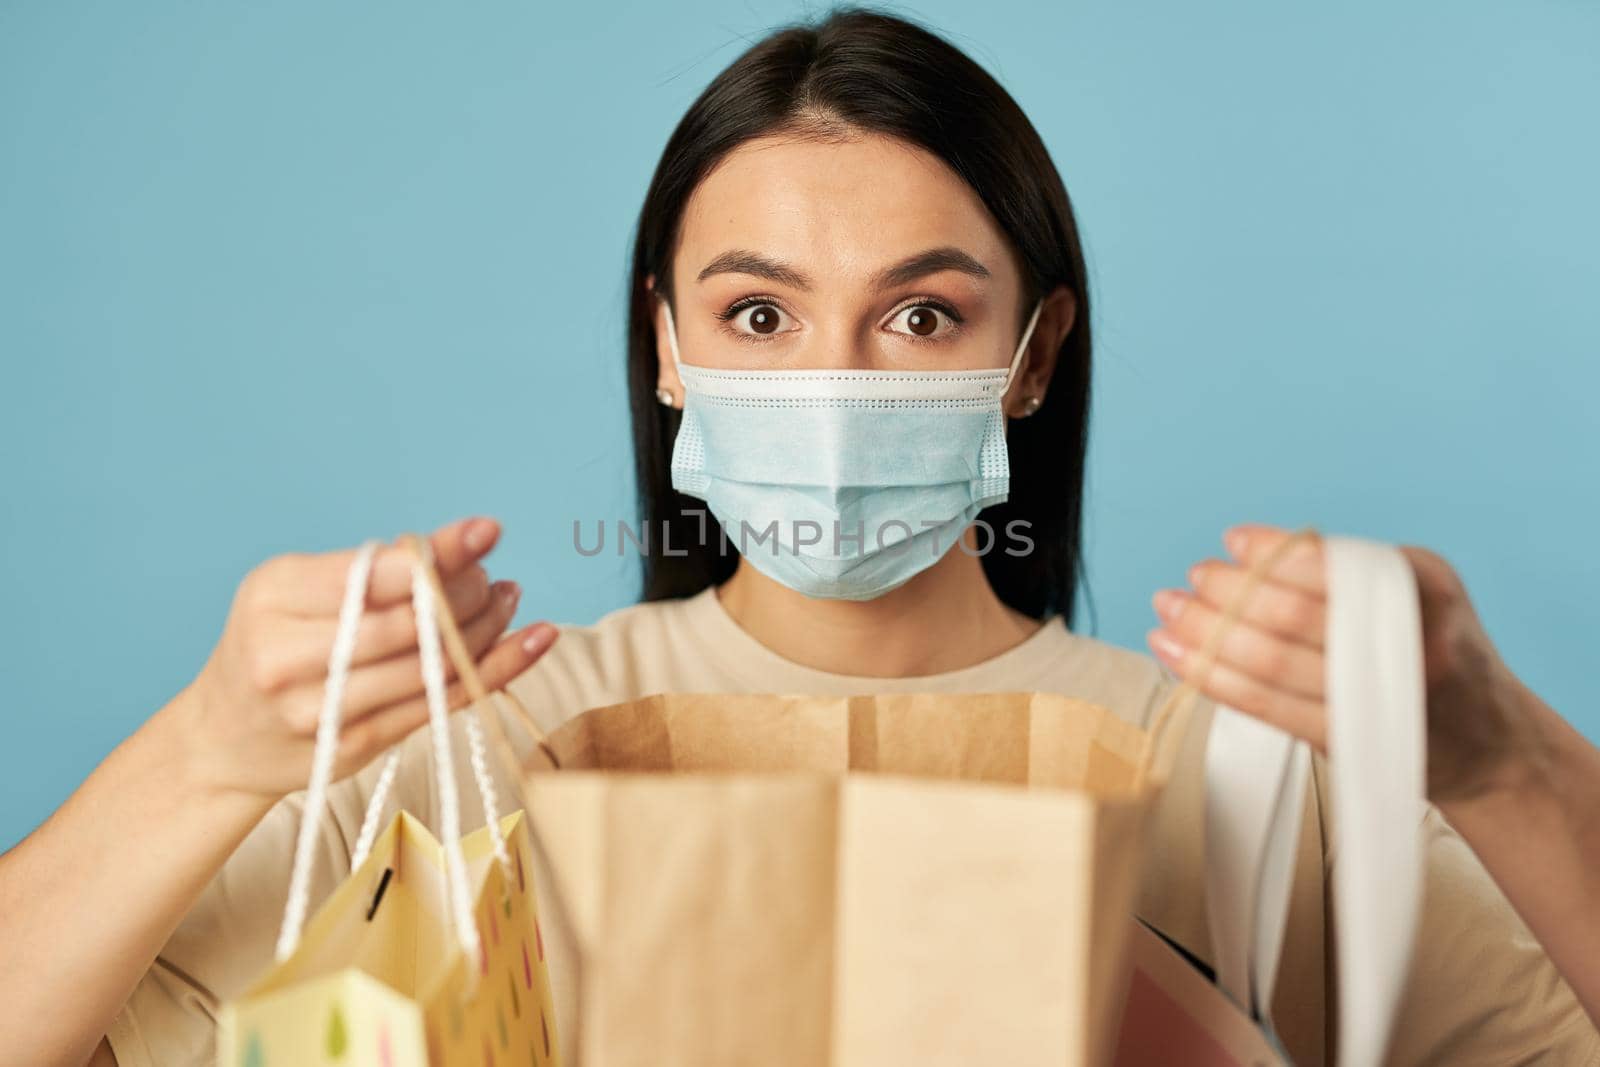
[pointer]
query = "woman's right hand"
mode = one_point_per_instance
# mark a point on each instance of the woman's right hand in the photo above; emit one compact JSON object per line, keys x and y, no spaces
{"x":250,"y":717}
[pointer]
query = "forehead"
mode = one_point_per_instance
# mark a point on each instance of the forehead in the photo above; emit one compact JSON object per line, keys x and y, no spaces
{"x":838,"y":209}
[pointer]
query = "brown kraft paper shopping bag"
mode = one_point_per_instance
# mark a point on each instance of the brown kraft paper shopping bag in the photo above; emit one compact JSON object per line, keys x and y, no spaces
{"x":910,"y":878}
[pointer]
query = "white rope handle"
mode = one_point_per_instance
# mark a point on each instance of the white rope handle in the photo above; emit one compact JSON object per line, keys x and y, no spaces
{"x":369,"y":821}
{"x":455,"y":866}
{"x":491,"y":810}
{"x":325,"y":748}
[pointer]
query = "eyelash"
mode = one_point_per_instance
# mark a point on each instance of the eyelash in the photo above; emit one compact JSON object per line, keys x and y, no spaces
{"x":727,"y":314}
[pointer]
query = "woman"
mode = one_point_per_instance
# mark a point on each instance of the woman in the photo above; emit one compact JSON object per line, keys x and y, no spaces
{"x":854,"y":196}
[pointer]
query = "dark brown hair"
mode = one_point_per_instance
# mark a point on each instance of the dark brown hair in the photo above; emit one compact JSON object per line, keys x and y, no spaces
{"x":862,"y":70}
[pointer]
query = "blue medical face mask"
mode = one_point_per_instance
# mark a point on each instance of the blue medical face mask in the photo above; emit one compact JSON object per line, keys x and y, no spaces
{"x":843,"y":484}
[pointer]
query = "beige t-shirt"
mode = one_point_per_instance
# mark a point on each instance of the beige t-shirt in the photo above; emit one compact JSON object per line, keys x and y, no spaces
{"x":1481,"y":990}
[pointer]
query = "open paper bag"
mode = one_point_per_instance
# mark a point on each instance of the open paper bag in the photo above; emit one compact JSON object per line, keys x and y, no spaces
{"x":922,"y":879}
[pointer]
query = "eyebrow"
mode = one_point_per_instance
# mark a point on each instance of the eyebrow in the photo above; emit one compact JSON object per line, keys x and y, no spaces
{"x":932,"y":261}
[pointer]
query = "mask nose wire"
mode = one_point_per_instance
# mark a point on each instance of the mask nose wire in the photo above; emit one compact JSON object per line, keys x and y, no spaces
{"x":672,"y":333}
{"x":1022,"y":346}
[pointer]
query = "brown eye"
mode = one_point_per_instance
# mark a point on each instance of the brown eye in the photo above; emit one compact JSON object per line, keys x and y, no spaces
{"x":755,"y":319}
{"x":764,"y":318}
{"x":923,"y":320}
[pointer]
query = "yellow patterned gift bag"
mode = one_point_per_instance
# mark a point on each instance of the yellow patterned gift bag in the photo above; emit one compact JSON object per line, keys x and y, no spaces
{"x":430,"y":953}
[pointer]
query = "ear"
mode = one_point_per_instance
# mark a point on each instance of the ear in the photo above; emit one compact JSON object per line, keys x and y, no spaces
{"x":1038,"y":364}
{"x":666,"y":369}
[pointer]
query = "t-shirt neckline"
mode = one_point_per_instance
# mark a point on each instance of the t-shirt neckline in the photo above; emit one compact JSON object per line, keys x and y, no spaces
{"x":722,"y":639}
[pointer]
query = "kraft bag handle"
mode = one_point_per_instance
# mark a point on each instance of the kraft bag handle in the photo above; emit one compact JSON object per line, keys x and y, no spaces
{"x":1255,"y":792}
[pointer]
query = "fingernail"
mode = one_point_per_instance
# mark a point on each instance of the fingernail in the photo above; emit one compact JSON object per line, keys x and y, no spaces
{"x":1236,"y":540}
{"x":1195,"y":573}
{"x":479,"y":533}
{"x":509,"y":592}
{"x":1165,"y":646}
{"x":539,"y":637}
{"x":1168,"y":603}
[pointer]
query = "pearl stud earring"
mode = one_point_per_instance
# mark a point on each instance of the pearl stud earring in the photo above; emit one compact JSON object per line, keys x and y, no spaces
{"x":1031,"y":405}
{"x":664,"y":397}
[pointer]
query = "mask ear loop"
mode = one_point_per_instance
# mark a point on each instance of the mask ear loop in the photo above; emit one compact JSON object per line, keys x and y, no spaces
{"x":672,"y":332}
{"x":1022,"y":346}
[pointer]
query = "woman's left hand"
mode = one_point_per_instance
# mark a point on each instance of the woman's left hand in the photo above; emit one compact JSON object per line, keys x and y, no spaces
{"x":1271,"y":665}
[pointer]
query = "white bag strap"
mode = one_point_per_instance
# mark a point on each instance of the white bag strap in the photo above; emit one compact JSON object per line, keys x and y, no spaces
{"x":1255,"y":778}
{"x":1377,"y":753}
{"x":1255,"y":788}
{"x":426,"y":597}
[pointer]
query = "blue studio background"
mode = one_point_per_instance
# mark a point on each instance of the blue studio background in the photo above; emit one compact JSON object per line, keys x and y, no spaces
{"x":285,"y":276}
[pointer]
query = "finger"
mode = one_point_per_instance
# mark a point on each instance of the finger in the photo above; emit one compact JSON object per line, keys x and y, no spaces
{"x":1276,"y":660}
{"x":300,"y":647}
{"x":1289,"y":712}
{"x":399,"y":677}
{"x":1301,"y":567}
{"x":1279,"y":609}
{"x":393,"y":630}
{"x":455,"y":546}
{"x":361,"y":741}
{"x":312,"y":585}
